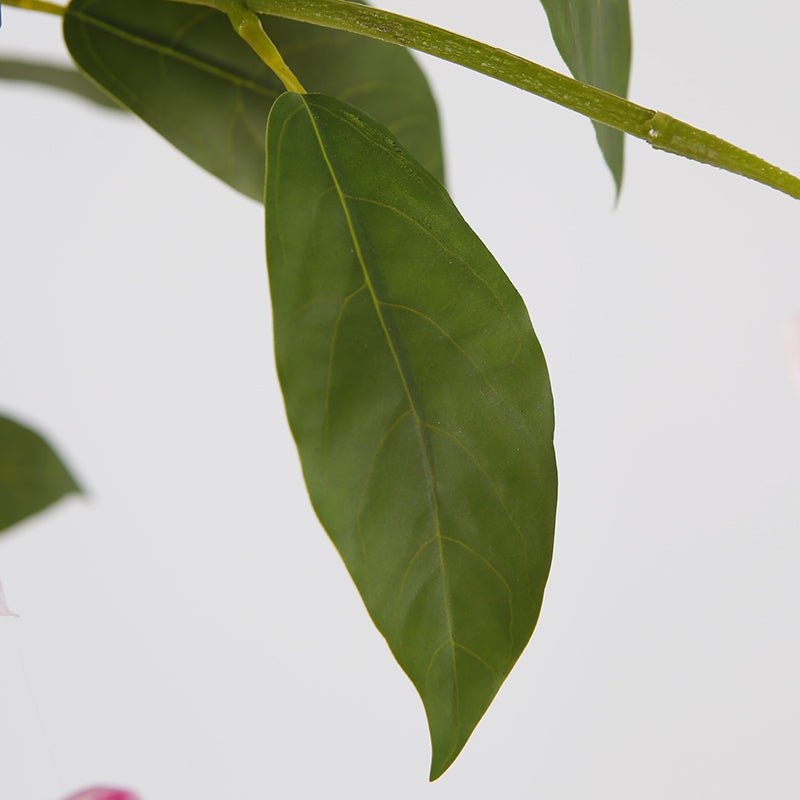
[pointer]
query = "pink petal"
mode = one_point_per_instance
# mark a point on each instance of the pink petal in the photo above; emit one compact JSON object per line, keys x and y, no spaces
{"x":101,"y":793}
{"x":4,"y":609}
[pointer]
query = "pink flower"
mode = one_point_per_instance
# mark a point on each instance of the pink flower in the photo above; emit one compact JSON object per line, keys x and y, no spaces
{"x":101,"y":793}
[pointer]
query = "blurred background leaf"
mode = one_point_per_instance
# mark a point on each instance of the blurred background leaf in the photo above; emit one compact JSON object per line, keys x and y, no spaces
{"x":32,"y":476}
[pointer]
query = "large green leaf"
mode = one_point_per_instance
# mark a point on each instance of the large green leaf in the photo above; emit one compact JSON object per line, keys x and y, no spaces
{"x":185,"y":72}
{"x":419,"y":399}
{"x":594,"y":39}
{"x":32,"y":476}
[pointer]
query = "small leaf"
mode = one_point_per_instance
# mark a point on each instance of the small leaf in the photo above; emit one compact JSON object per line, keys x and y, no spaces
{"x":65,"y":78}
{"x":184,"y":71}
{"x":31,"y":475}
{"x":594,"y":39}
{"x":419,"y":399}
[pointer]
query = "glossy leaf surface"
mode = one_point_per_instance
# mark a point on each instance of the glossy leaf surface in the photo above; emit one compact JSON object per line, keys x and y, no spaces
{"x":594,"y":39}
{"x":32,"y":476}
{"x":419,"y":400}
{"x":185,"y":71}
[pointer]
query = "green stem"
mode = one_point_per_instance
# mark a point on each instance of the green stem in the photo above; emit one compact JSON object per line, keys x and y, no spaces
{"x":658,"y":129}
{"x":37,"y":5}
{"x":248,"y":26}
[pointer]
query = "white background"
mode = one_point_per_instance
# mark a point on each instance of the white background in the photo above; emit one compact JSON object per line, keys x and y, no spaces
{"x":188,"y":631}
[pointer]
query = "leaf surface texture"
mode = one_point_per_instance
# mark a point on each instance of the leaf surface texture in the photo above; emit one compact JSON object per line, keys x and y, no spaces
{"x":419,"y":400}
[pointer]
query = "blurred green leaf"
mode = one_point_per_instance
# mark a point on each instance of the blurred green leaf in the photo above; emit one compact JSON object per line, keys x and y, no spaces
{"x":64,"y":78}
{"x":32,"y":476}
{"x":184,"y":71}
{"x":594,"y":39}
{"x":419,"y":399}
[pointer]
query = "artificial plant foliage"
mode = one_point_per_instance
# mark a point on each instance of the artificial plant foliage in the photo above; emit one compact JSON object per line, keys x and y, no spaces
{"x":185,"y":71}
{"x":32,"y":476}
{"x":419,"y":400}
{"x":414,"y":384}
{"x":594,"y":39}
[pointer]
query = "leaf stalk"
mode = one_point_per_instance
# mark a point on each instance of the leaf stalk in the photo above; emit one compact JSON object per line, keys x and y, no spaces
{"x":247,"y":24}
{"x":249,"y":27}
{"x":37,"y":5}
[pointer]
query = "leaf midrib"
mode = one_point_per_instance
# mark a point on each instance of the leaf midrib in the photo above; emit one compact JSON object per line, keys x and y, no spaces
{"x":406,"y":387}
{"x":170,"y":52}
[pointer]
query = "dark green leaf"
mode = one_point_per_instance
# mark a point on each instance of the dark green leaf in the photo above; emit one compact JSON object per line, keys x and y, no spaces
{"x":64,"y":78}
{"x":419,"y":400}
{"x":185,"y":72}
{"x":31,"y":474}
{"x":594,"y":39}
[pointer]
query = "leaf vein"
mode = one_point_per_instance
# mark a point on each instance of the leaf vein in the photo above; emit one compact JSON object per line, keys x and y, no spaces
{"x":399,"y":366}
{"x":166,"y":51}
{"x":445,"y":249}
{"x":466,"y":355}
{"x":495,"y":490}
{"x":329,"y":379}
{"x":371,"y":469}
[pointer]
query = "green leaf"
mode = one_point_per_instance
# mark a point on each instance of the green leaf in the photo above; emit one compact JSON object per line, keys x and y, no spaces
{"x":185,"y":71}
{"x":419,"y":399}
{"x":594,"y":39}
{"x":63,"y":78}
{"x":32,"y":476}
